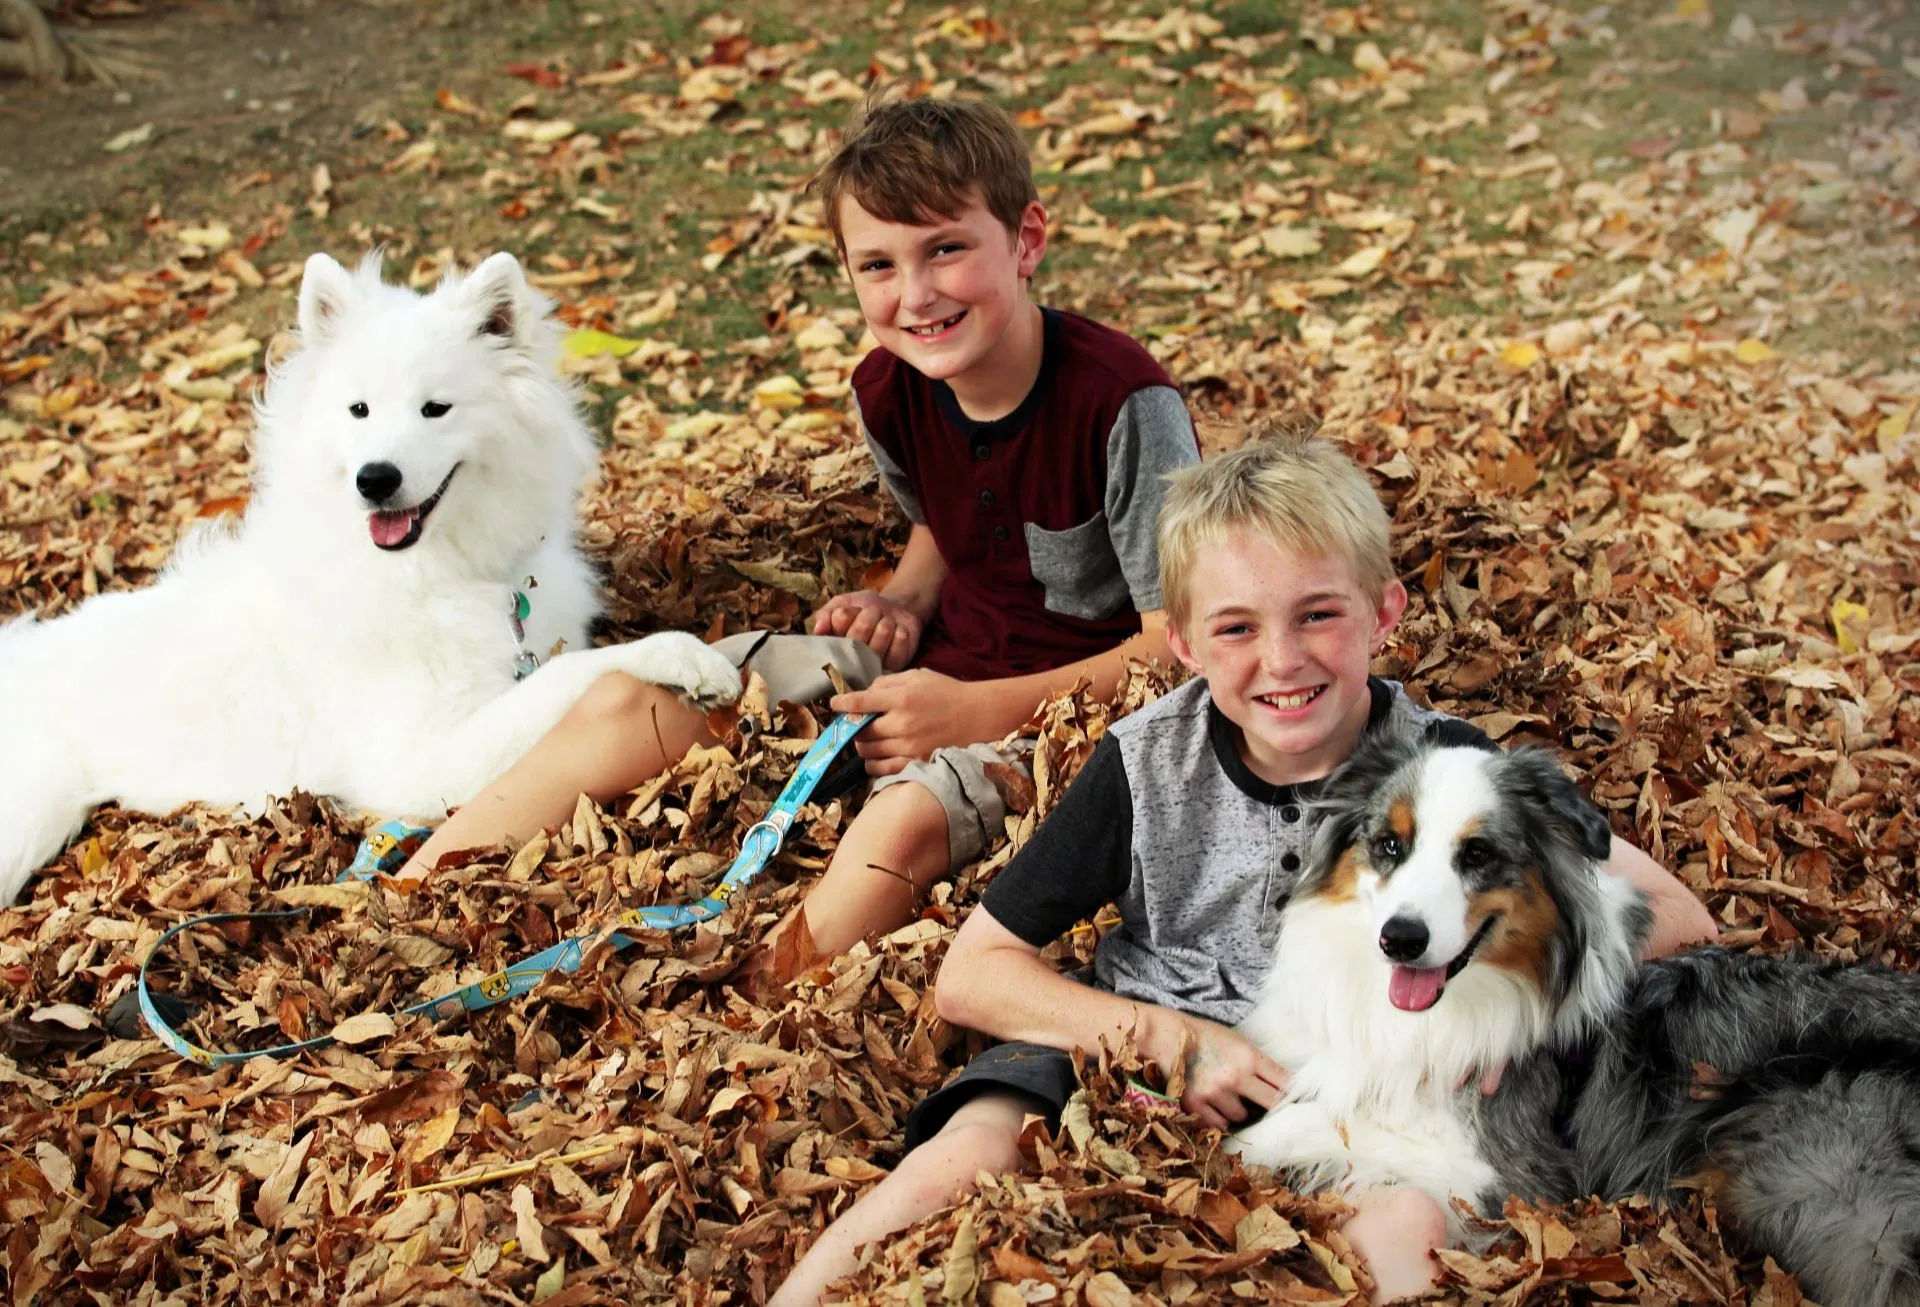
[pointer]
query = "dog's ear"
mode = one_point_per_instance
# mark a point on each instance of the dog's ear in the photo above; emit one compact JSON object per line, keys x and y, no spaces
{"x":326,"y":289}
{"x":498,"y":289}
{"x":1538,"y":781}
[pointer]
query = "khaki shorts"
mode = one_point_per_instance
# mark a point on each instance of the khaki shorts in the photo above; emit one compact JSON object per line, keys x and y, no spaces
{"x":957,"y":777}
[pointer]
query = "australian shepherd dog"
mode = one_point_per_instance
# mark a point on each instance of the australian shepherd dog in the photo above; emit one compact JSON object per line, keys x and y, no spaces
{"x":1455,"y":916}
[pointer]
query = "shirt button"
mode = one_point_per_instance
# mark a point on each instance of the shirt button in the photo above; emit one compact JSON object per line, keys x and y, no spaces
{"x":986,"y":497}
{"x":1289,"y":813}
{"x":1290,"y":862}
{"x":1000,"y":533}
{"x":981,"y":452}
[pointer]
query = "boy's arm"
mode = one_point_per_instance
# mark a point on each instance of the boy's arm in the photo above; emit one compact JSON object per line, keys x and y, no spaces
{"x":915,"y":584}
{"x":921,"y":711}
{"x":1014,"y":698}
{"x":995,"y":981}
{"x":1679,"y":919}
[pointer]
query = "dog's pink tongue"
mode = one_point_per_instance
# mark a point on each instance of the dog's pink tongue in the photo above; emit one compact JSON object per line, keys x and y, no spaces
{"x":1415,"y":989}
{"x":391,"y":528}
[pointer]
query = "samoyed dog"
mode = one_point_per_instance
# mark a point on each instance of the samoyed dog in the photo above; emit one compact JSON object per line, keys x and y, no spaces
{"x":401,"y":613}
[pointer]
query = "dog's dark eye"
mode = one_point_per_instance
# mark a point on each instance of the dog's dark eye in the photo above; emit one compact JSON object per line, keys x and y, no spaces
{"x":1475,"y":854}
{"x":433,"y":408}
{"x":1386,"y":848}
{"x":358,"y":408}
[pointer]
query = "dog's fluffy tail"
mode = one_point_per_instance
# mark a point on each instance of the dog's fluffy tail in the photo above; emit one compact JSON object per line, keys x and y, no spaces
{"x":1825,"y":1175}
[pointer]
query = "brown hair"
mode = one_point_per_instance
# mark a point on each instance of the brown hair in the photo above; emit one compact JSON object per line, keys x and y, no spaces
{"x":914,"y":161}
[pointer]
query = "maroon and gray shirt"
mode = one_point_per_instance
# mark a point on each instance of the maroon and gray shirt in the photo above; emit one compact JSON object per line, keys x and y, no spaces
{"x":1046,"y":518}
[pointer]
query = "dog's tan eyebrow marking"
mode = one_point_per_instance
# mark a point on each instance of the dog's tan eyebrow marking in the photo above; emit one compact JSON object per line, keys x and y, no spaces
{"x":1400,"y":821}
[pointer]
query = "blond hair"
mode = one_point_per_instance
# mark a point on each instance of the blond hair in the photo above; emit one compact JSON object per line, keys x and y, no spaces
{"x":1287,"y":484}
{"x":915,"y":161}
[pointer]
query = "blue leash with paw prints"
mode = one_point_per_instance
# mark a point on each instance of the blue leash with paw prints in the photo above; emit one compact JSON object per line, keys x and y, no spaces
{"x":388,"y":845}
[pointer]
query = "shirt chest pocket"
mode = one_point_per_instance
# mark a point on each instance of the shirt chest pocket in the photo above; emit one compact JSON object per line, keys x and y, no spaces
{"x":1078,"y":569}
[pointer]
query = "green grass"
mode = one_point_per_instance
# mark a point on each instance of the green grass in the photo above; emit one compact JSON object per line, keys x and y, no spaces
{"x":1671,"y":77}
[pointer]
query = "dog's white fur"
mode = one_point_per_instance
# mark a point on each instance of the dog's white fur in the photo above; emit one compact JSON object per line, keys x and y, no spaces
{"x":289,"y":651}
{"x":1375,"y":1094}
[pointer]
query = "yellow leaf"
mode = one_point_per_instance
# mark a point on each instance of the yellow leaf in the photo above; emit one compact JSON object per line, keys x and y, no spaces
{"x":1753,"y":351}
{"x":1520,"y":354}
{"x":588,"y":343}
{"x":780,"y":392}
{"x":1849,"y":625}
{"x":434,"y":1135}
{"x":1362,"y":262}
{"x":1893,"y":428}
{"x":540,"y":133}
{"x":93,"y":858}
{"x":694,"y":426}
{"x":215,"y":237}
{"x":1290,"y":242}
{"x":1693,"y":9}
{"x":962,"y":1263}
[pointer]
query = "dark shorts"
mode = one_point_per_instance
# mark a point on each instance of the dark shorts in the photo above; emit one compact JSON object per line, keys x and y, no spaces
{"x":1034,"y":1070}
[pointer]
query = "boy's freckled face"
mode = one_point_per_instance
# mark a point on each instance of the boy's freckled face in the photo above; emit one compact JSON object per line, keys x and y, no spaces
{"x":1284,"y":641}
{"x":940,"y":296}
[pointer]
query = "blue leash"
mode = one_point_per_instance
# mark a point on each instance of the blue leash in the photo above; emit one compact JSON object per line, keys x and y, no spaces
{"x":389,"y":844}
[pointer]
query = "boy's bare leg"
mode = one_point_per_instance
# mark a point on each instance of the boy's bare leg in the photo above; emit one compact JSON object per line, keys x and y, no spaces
{"x":1395,"y":1230}
{"x":894,"y":850}
{"x":618,"y":735}
{"x":984,"y":1135}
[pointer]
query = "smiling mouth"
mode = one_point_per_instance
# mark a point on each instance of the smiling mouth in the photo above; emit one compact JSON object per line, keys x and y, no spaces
{"x":936,"y":328}
{"x":1289,"y":702}
{"x":397,"y":529}
{"x":1415,"y":989}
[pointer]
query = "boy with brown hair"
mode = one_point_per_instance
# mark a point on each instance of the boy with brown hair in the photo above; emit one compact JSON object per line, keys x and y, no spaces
{"x":1026,"y":446}
{"x":1194,"y":817}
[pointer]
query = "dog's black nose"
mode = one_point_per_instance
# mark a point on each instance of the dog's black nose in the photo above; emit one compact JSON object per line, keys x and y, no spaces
{"x":1403,"y":939}
{"x":377,"y":482}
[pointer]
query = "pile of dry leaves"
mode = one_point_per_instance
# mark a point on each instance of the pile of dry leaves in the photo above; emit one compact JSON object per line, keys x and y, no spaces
{"x":1682,"y":557}
{"x":1691,"y":572}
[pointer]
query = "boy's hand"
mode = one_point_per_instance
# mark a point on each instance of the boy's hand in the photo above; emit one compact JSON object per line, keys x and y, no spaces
{"x":886,"y":626}
{"x":919,"y":711}
{"x":1224,"y":1071}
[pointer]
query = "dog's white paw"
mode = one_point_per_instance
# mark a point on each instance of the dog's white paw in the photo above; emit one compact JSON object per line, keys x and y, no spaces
{"x":688,"y":664}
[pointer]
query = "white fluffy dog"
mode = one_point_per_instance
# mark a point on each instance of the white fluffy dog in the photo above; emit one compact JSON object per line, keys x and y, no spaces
{"x":418,"y":462}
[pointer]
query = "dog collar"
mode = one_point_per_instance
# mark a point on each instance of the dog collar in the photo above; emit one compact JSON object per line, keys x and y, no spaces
{"x":525,"y":660}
